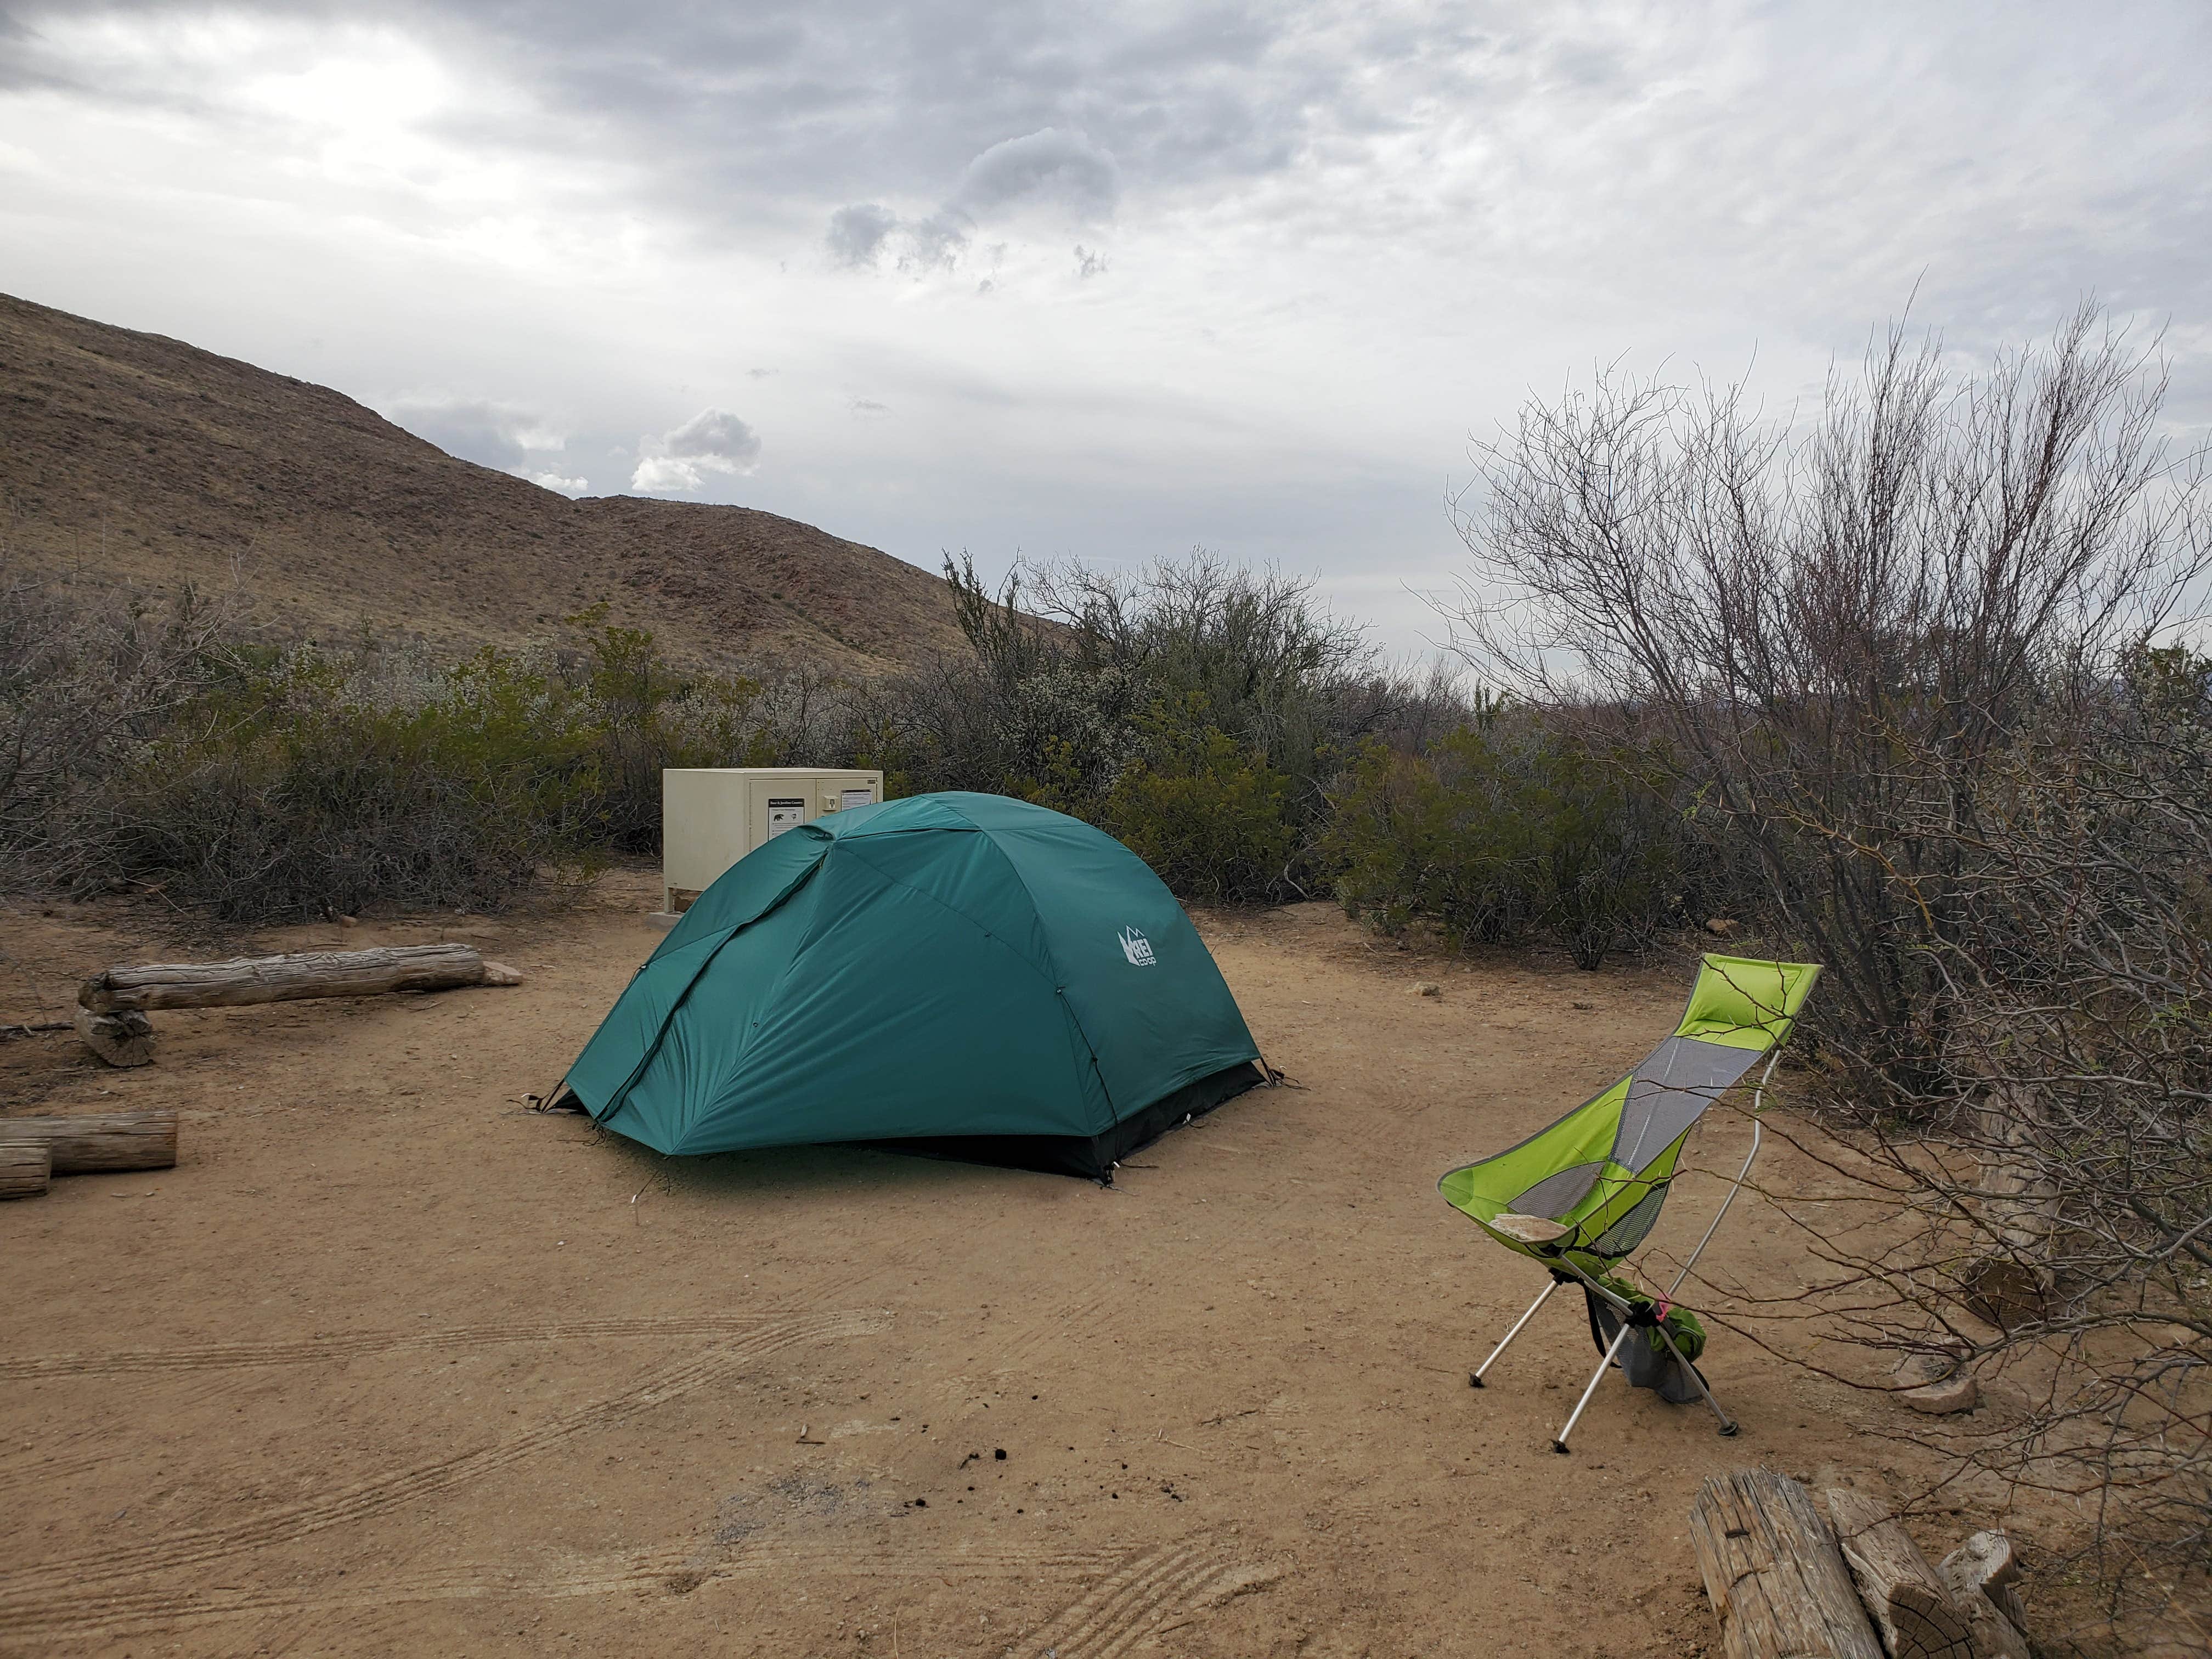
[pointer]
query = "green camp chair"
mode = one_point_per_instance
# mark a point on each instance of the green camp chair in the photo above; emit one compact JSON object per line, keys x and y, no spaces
{"x":1579,"y":1196}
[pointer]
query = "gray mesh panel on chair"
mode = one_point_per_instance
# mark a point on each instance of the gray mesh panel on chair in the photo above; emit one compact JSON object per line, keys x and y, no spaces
{"x":1626,"y":1234}
{"x":1670,"y":1091}
{"x":1555,"y":1194}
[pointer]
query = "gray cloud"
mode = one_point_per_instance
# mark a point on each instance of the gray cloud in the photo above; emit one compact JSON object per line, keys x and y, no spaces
{"x":490,"y":434}
{"x":494,"y":435}
{"x":1063,"y":169}
{"x":1058,"y":172}
{"x":715,"y":435}
{"x":678,"y":461}
{"x":857,"y":234}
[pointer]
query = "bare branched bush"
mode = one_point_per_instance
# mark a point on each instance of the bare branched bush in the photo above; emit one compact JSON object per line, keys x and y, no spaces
{"x":88,"y":676}
{"x":1840,"y":624}
{"x":1906,"y":659}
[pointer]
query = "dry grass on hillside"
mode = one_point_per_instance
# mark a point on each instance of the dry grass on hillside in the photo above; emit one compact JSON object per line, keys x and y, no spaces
{"x":130,"y":458}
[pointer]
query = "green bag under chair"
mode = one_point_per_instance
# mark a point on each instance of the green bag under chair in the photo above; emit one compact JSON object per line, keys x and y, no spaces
{"x":961,"y":974}
{"x":1581,"y":1194}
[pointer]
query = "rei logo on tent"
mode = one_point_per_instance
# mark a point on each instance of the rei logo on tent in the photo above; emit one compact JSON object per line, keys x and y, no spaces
{"x":1137,"y":948}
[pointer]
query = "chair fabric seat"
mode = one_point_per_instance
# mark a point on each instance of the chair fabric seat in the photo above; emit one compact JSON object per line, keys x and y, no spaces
{"x":1603,"y":1169}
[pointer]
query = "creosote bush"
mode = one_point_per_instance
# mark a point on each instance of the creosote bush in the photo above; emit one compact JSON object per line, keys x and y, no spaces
{"x":269,"y":784}
{"x":1510,"y":828}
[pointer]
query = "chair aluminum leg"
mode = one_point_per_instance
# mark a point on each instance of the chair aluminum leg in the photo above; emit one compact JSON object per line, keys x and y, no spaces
{"x":1474,"y":1376}
{"x":1560,"y":1443}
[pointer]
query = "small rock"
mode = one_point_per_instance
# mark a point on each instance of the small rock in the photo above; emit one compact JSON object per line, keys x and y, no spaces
{"x":1427,"y":987}
{"x":1586,"y":1007}
{"x":1918,"y":1369}
{"x":348,"y":921}
{"x":1721,"y":927}
{"x":1945,"y":1399}
{"x":498,"y":973}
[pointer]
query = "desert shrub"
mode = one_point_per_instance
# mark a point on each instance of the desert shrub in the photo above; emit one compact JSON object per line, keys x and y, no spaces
{"x":1506,"y":829}
{"x":1838,"y":628}
{"x":282,"y":792}
{"x":644,"y":714}
{"x":166,"y":747}
{"x":1205,"y":810}
{"x":1196,"y":710}
{"x":1925,"y":665}
{"x":88,"y":676}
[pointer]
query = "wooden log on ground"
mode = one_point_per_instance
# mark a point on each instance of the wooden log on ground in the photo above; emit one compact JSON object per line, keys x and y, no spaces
{"x":1985,"y":1578}
{"x":26,"y":1166}
{"x":86,"y":1143}
{"x":1912,"y":1606}
{"x":125,"y":1039}
{"x":283,"y":979}
{"x":1774,"y":1573}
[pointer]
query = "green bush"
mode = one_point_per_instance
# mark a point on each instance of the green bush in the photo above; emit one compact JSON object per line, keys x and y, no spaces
{"x":283,"y":793}
{"x":1505,"y":830}
{"x":273,"y":785}
{"x":644,"y":716}
{"x":1206,"y":812}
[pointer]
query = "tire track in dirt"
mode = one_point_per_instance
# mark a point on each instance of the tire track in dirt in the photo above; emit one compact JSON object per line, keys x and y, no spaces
{"x":1143,"y":1592}
{"x":673,"y":1570}
{"x":53,"y":1597}
{"x":1079,"y":1319}
{"x":322,"y":1350}
{"x":54,"y":1460}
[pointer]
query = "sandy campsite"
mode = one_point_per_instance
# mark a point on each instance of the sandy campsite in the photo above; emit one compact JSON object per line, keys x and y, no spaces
{"x":389,"y":1364}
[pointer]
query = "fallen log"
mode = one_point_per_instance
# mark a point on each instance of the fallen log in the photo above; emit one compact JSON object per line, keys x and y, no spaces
{"x":86,"y":1143}
{"x":1984,"y":1577}
{"x":26,"y":1166}
{"x":283,"y":979}
{"x":125,"y":1039}
{"x":1774,"y":1573}
{"x":1912,"y":1606}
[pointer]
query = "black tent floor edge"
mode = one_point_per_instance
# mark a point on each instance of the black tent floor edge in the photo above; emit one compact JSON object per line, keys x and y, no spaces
{"x":1091,"y":1156}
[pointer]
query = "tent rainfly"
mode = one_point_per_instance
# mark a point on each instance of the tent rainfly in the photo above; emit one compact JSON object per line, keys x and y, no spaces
{"x":962,"y":975}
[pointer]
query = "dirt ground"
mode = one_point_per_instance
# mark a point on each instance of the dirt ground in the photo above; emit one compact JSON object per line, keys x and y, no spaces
{"x":389,"y":1364}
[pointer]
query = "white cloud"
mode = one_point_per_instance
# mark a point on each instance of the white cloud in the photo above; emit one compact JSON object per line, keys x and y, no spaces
{"x":677,"y":461}
{"x":659,"y":475}
{"x":555,"y":482}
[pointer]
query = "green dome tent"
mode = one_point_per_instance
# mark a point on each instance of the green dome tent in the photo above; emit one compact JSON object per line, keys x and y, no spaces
{"x":957,"y":974}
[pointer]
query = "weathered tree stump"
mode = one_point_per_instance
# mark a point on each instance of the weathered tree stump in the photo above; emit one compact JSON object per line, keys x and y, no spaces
{"x":86,"y":1143}
{"x":26,"y":1166}
{"x":1912,"y":1606}
{"x":125,"y":1039}
{"x":283,"y":979}
{"x":1774,"y":1573}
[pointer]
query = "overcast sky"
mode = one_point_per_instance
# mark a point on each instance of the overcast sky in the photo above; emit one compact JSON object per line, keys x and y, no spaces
{"x":1109,"y":281}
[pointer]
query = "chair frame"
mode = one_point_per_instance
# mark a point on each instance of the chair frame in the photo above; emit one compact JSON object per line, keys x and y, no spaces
{"x":1566,"y":1272}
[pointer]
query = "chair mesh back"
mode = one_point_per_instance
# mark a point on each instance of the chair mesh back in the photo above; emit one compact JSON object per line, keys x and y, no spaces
{"x":1671,"y":1092}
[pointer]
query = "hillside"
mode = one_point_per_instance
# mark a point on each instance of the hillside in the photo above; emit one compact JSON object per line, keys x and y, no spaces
{"x":130,"y":458}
